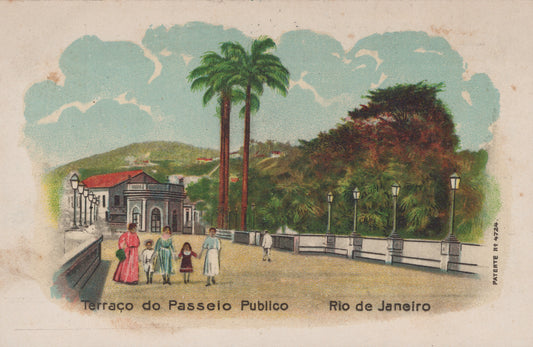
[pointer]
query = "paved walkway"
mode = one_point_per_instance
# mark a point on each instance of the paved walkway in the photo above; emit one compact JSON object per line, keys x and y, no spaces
{"x":307,"y":284}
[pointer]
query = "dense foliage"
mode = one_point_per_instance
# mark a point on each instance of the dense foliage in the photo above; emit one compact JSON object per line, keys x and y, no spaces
{"x":403,"y":135}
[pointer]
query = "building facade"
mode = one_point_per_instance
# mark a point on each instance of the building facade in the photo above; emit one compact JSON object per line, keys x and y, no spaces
{"x":134,"y":196}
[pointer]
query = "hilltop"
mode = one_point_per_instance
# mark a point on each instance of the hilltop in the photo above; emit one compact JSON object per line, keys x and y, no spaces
{"x":159,"y":159}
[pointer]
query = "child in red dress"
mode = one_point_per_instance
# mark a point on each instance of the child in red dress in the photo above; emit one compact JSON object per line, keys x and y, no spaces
{"x":186,"y":254}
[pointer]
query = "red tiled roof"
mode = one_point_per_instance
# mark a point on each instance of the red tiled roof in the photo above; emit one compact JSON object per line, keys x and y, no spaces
{"x":110,"y":180}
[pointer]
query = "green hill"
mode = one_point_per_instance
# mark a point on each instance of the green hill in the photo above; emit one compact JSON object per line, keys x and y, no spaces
{"x":159,"y":159}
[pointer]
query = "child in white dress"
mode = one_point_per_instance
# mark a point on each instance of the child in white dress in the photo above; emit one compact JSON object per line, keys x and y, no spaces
{"x":148,"y":259}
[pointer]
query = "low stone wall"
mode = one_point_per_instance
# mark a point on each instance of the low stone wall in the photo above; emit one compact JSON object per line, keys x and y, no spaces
{"x":445,"y":255}
{"x":77,"y":269}
{"x":374,"y":248}
{"x":225,"y":234}
{"x":285,"y":242}
{"x":241,"y":237}
{"x":420,"y":253}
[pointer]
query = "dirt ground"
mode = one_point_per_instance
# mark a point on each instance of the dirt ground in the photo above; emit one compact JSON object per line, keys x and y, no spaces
{"x":312,"y":288}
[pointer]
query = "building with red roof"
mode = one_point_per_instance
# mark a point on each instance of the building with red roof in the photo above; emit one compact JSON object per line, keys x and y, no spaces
{"x":111,"y":179}
{"x":136,"y":197}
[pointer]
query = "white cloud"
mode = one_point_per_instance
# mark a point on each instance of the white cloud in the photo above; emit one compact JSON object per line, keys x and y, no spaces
{"x":466,"y":96}
{"x":187,"y":58}
{"x":467,"y":74}
{"x":121,"y":99}
{"x":165,"y":52}
{"x":423,"y":50}
{"x":318,"y":98}
{"x":83,"y":107}
{"x":381,"y":79}
{"x":54,"y":117}
{"x":157,"y":63}
{"x":344,"y":60}
{"x":373,"y":54}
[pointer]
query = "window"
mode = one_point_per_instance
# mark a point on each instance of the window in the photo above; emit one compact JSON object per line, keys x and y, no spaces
{"x":125,"y":202}
{"x":155,"y":224}
{"x":136,"y":216}
{"x":103,"y":200}
{"x":117,"y":200}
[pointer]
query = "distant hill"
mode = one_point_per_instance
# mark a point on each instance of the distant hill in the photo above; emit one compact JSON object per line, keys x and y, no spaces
{"x":159,"y":159}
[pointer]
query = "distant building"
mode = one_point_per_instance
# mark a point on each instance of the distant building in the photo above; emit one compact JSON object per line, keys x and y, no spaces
{"x":191,"y":218}
{"x":134,"y":196}
{"x":204,"y":160}
{"x":185,"y":180}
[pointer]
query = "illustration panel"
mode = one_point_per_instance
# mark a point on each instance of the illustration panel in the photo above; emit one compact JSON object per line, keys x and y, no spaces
{"x":198,"y":172}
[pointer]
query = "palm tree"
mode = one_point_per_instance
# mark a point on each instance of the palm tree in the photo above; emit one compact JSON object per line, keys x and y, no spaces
{"x":251,"y":71}
{"x":214,"y":76}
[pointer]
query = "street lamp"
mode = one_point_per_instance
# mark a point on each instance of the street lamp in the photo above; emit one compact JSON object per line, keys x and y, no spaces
{"x":356,"y":195}
{"x":454,"y":183}
{"x":330,"y":200}
{"x":85,"y":195}
{"x":96,"y":203}
{"x":92,"y":201}
{"x":395,"y":191}
{"x":74,"y":182}
{"x":81,"y":187}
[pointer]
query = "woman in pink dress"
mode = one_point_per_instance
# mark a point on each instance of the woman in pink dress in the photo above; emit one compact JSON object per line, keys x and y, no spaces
{"x":128,"y":269}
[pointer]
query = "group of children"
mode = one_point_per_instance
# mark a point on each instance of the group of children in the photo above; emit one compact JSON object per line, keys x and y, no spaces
{"x":163,"y":253}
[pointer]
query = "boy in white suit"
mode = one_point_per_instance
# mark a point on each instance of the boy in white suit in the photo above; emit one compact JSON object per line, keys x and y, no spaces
{"x":267,"y":245}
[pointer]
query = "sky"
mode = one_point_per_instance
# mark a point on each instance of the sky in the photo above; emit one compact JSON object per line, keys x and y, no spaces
{"x":109,"y":94}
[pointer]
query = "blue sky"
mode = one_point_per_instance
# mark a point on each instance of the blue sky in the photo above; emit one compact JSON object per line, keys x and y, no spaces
{"x":111,"y":94}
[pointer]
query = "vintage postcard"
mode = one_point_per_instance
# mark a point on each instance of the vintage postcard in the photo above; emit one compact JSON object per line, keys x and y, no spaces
{"x":242,"y":173}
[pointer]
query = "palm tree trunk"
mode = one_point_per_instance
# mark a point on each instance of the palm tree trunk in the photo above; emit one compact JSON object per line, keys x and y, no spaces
{"x":227,"y":106}
{"x":245,"y":159}
{"x":221,"y":170}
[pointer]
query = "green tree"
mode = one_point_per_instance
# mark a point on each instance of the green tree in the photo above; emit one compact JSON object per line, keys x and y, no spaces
{"x":251,"y":71}
{"x":214,"y":75}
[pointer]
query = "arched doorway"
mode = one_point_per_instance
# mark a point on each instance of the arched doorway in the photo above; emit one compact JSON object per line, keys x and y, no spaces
{"x":155,"y":221}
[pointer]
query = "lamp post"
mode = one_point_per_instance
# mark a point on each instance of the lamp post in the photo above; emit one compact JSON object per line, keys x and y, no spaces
{"x":253,"y":215}
{"x":454,"y":183}
{"x":330,"y":200}
{"x":92,"y":201}
{"x":394,"y":241}
{"x":80,"y":193}
{"x":85,"y":195}
{"x":395,"y":191}
{"x":356,"y":195}
{"x":74,"y":182}
{"x":96,"y":209}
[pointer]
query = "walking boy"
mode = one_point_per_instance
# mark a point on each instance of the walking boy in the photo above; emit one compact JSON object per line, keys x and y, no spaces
{"x":267,"y":245}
